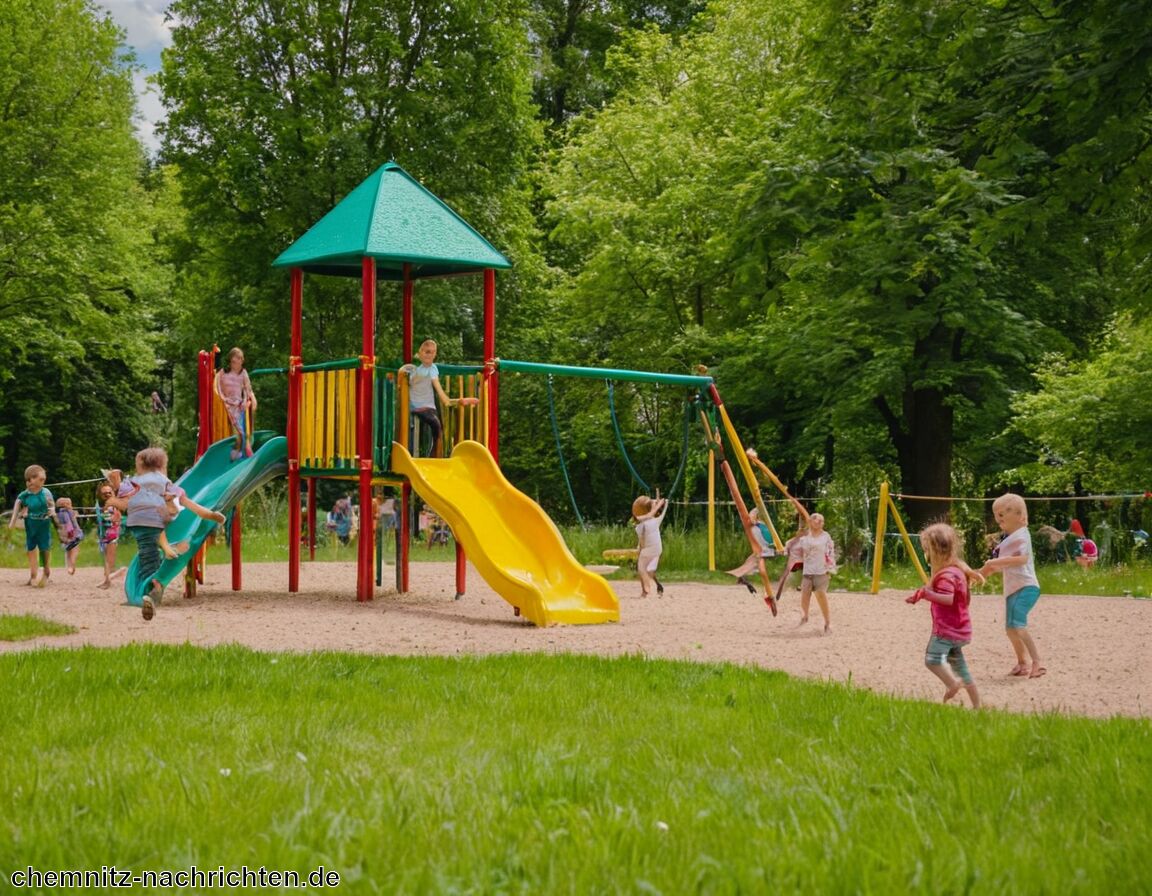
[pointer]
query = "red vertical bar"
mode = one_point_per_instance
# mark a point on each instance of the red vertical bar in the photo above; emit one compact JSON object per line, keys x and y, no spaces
{"x":365,"y":577}
{"x":406,"y":346}
{"x":405,"y":538}
{"x":294,"y":374}
{"x":461,"y":571}
{"x":237,"y":529}
{"x":489,"y":366}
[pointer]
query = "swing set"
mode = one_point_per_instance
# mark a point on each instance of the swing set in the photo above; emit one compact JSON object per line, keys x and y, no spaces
{"x":702,"y":400}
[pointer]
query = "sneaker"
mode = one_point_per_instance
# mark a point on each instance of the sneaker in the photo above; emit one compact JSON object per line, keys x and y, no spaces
{"x":743,"y":581}
{"x":659,"y":588}
{"x":147,"y":610}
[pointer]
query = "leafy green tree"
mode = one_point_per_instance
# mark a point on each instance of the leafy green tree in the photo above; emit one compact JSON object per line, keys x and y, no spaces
{"x":79,"y":282}
{"x":276,"y":111}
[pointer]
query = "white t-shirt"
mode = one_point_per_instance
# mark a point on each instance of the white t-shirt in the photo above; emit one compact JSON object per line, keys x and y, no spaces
{"x":421,"y":394}
{"x":819,"y":554}
{"x":1018,"y":544}
{"x":648,"y":535}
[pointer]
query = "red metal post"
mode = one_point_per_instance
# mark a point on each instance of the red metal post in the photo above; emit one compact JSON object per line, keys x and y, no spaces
{"x":406,"y":346}
{"x":365,"y":576}
{"x":237,"y":569}
{"x":405,"y":538}
{"x":296,"y":352}
{"x":489,"y":368}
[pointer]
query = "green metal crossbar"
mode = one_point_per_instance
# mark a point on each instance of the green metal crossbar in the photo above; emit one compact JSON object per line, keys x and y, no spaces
{"x":635,"y":376}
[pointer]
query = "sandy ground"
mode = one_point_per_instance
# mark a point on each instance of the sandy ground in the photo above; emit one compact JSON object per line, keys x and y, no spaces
{"x":1095,"y":648}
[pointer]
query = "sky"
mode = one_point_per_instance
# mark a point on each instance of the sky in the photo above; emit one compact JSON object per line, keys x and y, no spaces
{"x":146,"y":33}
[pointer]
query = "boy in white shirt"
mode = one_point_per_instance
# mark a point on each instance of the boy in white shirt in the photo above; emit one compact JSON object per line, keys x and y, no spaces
{"x":1021,"y":587}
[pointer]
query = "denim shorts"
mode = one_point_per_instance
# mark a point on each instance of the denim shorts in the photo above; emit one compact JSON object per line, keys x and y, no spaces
{"x":944,"y":649}
{"x":1019,"y":603}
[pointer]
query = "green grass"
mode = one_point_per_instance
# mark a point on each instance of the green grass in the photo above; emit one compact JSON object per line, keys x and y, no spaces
{"x":23,"y":627}
{"x":685,"y":559}
{"x":554,"y":774}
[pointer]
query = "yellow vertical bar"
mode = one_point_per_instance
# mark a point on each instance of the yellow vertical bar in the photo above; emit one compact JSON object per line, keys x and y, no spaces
{"x":749,"y":476}
{"x":881,"y":531}
{"x":907,"y":541}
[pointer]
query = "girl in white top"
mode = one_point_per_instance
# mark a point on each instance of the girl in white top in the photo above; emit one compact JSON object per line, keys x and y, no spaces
{"x":819,"y":557}
{"x":649,"y":514}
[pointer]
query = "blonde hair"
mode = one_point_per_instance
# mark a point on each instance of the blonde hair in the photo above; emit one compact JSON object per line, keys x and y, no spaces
{"x":33,"y":471}
{"x":152,"y":459}
{"x":641,"y":506}
{"x":429,"y":342}
{"x":1012,"y":501}
{"x":941,"y":541}
{"x":64,"y":503}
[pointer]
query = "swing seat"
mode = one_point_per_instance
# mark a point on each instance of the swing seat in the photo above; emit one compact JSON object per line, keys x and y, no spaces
{"x":626,"y":555}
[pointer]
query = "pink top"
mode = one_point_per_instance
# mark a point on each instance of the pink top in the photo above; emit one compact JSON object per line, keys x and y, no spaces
{"x":234,"y":387}
{"x":951,"y":621}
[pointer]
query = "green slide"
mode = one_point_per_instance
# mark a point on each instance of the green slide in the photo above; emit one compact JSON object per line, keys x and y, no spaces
{"x":219,"y":483}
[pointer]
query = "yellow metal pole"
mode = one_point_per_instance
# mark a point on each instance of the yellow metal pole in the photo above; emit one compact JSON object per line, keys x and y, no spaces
{"x":907,"y":541}
{"x":749,"y":476}
{"x":711,"y":493}
{"x":881,"y":529}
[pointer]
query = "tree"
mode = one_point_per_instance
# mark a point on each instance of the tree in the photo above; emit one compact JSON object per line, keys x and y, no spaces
{"x":276,"y":111}
{"x":77,"y":282}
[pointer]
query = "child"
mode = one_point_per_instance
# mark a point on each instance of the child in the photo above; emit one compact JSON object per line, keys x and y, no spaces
{"x":1021,"y":587}
{"x":148,"y":509}
{"x":108,"y":524}
{"x":38,"y":508}
{"x":818,"y":555}
{"x":648,"y":515}
{"x":951,"y":622}
{"x":423,"y":390}
{"x":235,"y":390}
{"x":763,"y":537}
{"x":71,"y":534}
{"x":794,"y":556}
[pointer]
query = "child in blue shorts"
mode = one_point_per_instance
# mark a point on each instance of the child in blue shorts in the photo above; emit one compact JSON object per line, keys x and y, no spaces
{"x":38,"y":508}
{"x":1021,"y":587}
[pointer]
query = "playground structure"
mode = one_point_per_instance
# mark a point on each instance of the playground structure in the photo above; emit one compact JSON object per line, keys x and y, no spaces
{"x":349,"y":419}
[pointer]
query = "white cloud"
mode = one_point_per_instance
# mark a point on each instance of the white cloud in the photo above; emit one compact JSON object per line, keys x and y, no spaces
{"x":143,"y":23}
{"x":146,"y":32}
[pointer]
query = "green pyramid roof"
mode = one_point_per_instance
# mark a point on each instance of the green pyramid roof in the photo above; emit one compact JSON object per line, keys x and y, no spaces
{"x":392,"y":218}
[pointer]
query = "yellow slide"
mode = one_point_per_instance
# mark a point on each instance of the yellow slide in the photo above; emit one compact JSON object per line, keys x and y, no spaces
{"x":508,"y":537}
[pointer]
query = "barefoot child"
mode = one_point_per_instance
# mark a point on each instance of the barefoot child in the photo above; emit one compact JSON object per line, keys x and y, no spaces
{"x":751,"y":564}
{"x":819,"y":558}
{"x":68,"y":525}
{"x":38,"y":508}
{"x":146,"y":499}
{"x":649,"y":514}
{"x":108,"y":524}
{"x":1021,"y":587}
{"x":235,"y":390}
{"x":951,"y":622}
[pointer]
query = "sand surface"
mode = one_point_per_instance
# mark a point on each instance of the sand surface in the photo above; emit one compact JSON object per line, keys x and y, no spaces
{"x":1095,"y":648}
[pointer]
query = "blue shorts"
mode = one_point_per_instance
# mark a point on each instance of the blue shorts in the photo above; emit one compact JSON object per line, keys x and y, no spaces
{"x":1019,"y":604}
{"x":37,"y":535}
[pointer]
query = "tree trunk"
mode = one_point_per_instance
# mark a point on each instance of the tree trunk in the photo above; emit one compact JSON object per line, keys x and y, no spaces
{"x":925,"y":456}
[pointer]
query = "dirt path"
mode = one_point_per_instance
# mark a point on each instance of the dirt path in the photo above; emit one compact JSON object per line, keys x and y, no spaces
{"x":1095,"y":648}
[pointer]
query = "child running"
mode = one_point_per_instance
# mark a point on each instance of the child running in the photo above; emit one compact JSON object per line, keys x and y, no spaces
{"x":951,"y":623}
{"x":38,"y":508}
{"x":1021,"y":587}
{"x":68,"y":524}
{"x":145,"y":498}
{"x":648,"y":514}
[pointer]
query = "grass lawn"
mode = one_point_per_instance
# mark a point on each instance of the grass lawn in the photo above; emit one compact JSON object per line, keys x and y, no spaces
{"x":553,"y":774}
{"x":24,"y":627}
